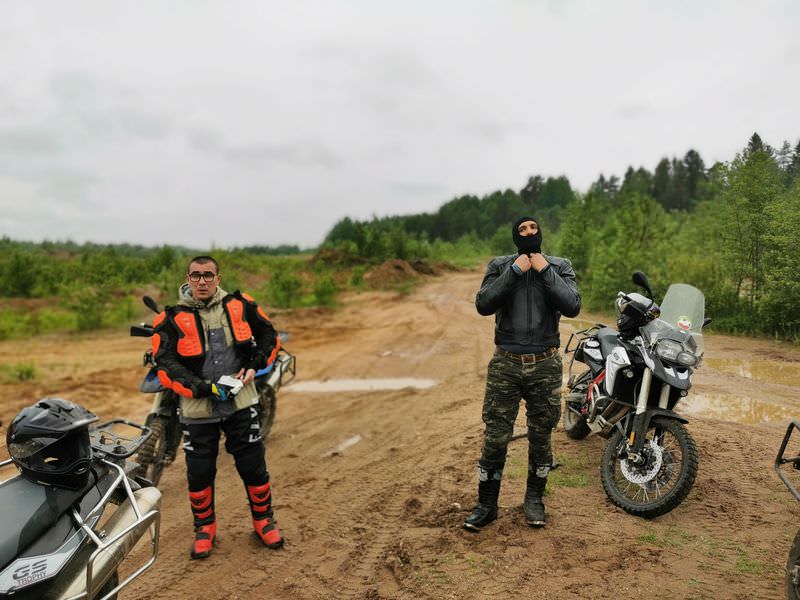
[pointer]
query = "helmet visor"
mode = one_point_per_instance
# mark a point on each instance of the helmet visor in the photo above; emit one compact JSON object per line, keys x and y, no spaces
{"x":29,"y":447}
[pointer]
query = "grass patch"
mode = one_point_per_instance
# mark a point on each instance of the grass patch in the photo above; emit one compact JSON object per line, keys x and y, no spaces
{"x":559,"y":478}
{"x":670,"y":538}
{"x":516,"y":464}
{"x":745,"y":564}
{"x":435,"y":578}
{"x":18,"y":372}
{"x":404,"y":288}
{"x":478,"y":563}
{"x":571,"y":471}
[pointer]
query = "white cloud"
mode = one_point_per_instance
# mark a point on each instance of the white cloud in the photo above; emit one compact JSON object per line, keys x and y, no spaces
{"x":262,"y":122}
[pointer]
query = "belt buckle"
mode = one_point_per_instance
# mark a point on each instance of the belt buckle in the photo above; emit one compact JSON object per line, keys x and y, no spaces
{"x":528,"y":359}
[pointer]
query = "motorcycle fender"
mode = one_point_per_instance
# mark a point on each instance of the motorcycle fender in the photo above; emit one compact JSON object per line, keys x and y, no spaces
{"x":151,"y":383}
{"x":162,"y":405}
{"x":642,"y":422}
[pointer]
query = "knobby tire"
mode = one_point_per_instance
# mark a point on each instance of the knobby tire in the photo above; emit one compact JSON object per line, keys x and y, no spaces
{"x":152,"y":454}
{"x":685,"y":477}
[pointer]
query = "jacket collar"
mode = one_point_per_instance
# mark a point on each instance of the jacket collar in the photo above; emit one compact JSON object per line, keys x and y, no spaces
{"x":185,"y":298}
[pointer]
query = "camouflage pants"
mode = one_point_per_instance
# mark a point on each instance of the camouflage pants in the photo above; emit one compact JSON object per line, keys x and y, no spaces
{"x":507,"y":382}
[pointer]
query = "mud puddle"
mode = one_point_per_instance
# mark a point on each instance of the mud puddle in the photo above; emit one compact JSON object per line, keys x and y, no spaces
{"x":738,"y":409}
{"x":771,"y":371}
{"x":361,"y":385}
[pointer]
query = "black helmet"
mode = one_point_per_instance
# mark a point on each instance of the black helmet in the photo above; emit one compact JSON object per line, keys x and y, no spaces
{"x":633,"y":312}
{"x":49,"y":442}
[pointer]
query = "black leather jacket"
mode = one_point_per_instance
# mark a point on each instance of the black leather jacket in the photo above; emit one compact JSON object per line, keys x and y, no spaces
{"x":527,"y":307}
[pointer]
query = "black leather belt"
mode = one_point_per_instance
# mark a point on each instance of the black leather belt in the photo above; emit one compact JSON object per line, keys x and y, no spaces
{"x":527,"y":359}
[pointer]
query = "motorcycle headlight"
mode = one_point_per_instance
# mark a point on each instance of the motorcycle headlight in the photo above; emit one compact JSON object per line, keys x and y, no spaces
{"x":686,"y":359}
{"x":669,"y":350}
{"x":675,"y":352}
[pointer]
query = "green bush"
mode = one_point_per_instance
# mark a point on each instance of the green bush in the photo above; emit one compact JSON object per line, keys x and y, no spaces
{"x":357,"y":276}
{"x":23,"y":371}
{"x":13,"y":324}
{"x":325,"y":289}
{"x":89,"y":304}
{"x":284,"y":288}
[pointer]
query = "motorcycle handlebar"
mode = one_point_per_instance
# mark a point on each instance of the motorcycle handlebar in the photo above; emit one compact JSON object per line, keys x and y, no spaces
{"x":142,"y":330}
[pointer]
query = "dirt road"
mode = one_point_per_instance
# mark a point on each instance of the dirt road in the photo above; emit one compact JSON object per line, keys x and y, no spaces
{"x":371,"y":487}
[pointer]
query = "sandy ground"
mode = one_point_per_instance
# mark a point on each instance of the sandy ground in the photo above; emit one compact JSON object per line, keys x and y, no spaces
{"x":382,"y":517}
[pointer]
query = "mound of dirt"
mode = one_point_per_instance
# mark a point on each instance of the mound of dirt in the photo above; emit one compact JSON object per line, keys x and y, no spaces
{"x":337,"y":257}
{"x":389,"y":273}
{"x":446,"y":267}
{"x":425,"y":268}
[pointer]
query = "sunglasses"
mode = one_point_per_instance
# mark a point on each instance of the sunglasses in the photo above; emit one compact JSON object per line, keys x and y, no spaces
{"x":207,"y":276}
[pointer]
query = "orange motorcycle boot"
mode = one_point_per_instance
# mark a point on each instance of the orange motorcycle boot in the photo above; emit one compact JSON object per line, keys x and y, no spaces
{"x":260,"y":498}
{"x":205,"y":522}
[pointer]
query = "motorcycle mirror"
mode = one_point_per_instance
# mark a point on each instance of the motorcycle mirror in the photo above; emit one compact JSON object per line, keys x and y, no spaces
{"x":706,"y":321}
{"x":151,"y":304}
{"x":640,"y":279}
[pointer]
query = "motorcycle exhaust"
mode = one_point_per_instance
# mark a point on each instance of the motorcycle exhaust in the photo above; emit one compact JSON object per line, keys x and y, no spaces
{"x":123,"y":530}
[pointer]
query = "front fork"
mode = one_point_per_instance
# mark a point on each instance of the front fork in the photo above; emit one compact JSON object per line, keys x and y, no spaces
{"x":641,"y":418}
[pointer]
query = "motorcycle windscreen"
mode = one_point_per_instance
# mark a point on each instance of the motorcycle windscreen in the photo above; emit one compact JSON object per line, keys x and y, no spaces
{"x":683,"y":308}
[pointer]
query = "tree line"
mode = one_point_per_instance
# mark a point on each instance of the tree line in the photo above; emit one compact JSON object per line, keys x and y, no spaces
{"x":730,"y":228}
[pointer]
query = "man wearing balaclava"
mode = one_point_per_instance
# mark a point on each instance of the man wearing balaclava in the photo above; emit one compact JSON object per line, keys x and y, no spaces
{"x":527,"y":293}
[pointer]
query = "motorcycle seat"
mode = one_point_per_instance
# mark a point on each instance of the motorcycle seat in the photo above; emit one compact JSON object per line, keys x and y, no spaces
{"x":609,"y":339}
{"x":29,"y":511}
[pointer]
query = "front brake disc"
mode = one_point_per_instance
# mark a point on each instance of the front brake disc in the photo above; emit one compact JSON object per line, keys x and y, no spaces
{"x":641,"y":474}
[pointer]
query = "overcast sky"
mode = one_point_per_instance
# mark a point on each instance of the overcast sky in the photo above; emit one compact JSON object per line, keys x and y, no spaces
{"x":237,"y":123}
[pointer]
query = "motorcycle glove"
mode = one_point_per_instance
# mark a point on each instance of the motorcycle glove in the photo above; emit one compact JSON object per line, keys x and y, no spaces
{"x":226,"y":388}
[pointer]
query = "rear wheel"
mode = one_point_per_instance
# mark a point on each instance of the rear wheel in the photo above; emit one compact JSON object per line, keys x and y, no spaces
{"x":575,"y":425}
{"x":662,"y":480}
{"x":573,"y":419}
{"x":152,"y":455}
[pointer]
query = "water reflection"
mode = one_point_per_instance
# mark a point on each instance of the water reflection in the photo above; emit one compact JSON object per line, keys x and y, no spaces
{"x":739,"y":409}
{"x":361,"y":385}
{"x":787,"y":373}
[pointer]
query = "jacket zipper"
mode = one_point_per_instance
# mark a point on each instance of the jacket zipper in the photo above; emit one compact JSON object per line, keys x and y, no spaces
{"x":528,"y":301}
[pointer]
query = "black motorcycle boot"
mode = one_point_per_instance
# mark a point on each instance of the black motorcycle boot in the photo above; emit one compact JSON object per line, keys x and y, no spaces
{"x":489,"y":476}
{"x":533,"y":505}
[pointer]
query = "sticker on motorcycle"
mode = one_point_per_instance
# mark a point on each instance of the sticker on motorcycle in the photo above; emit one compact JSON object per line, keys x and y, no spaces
{"x":684,"y":323}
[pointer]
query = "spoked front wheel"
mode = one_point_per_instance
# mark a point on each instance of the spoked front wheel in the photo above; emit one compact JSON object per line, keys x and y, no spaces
{"x":662,"y":480}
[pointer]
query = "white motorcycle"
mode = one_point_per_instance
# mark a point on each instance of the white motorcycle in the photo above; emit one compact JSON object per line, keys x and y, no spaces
{"x":77,"y":509}
{"x":635,"y":377}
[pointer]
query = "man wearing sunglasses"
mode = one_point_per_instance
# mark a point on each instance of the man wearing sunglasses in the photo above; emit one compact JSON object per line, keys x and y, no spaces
{"x":208,"y":349}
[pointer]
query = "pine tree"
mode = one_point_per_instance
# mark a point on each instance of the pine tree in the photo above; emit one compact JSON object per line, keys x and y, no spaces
{"x":532,"y":190}
{"x":695,"y":174}
{"x":662,"y":180}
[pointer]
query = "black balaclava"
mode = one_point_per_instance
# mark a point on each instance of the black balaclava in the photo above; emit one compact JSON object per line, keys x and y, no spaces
{"x":530,"y":243}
